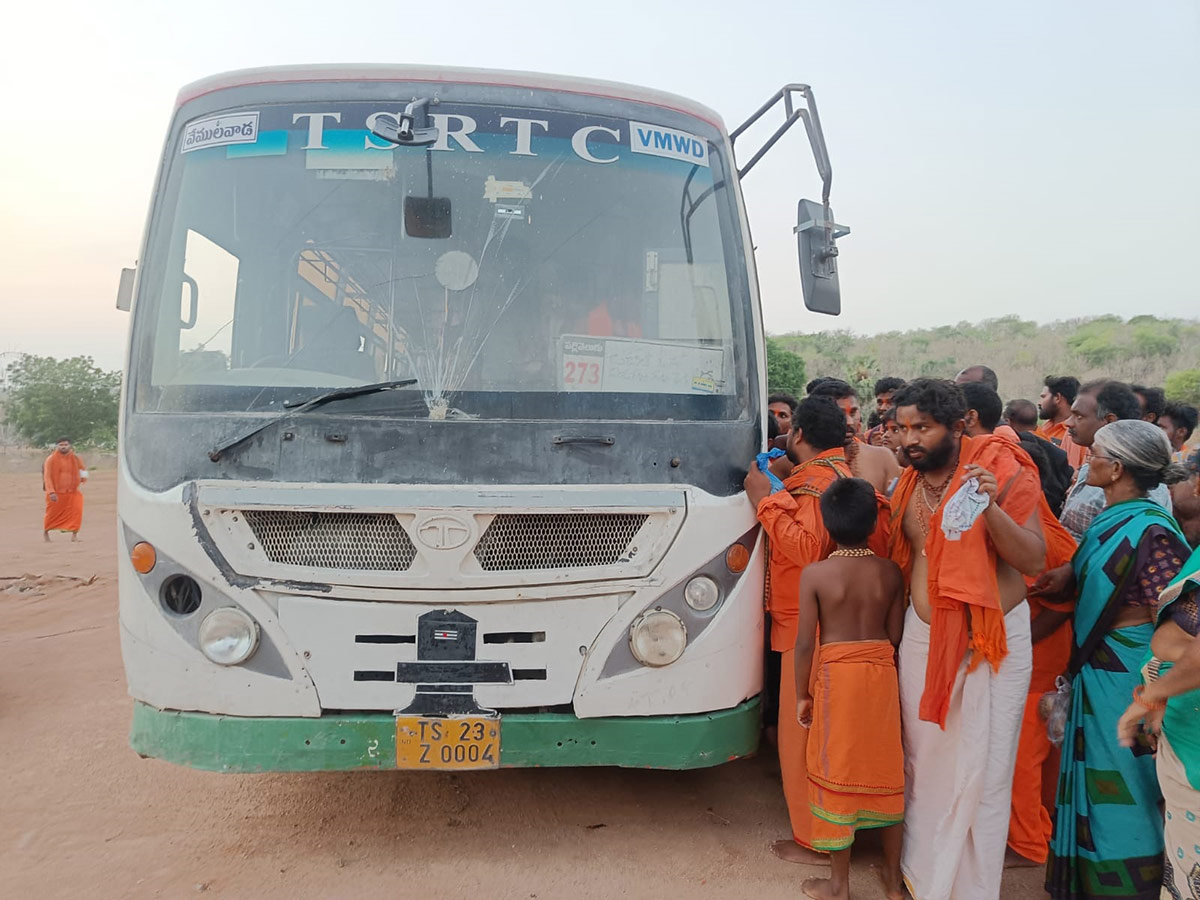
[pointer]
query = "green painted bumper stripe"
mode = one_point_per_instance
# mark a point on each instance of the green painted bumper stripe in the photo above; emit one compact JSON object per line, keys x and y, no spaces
{"x":346,"y":741}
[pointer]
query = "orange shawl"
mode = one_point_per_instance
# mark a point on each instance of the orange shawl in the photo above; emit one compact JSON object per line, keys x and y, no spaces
{"x":964,"y":595}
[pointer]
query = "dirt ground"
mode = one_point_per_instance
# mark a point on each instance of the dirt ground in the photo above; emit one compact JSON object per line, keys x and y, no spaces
{"x":82,"y":816}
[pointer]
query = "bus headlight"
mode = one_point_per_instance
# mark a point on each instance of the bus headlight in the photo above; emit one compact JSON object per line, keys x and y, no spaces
{"x":657,"y":637}
{"x":228,"y":636}
{"x":701,"y":593}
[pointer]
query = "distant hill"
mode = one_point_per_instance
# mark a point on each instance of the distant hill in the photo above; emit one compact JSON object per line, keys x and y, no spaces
{"x":1144,"y":350}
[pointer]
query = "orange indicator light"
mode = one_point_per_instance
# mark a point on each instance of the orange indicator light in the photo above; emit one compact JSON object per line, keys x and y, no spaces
{"x":737,"y":557}
{"x":143,"y":557}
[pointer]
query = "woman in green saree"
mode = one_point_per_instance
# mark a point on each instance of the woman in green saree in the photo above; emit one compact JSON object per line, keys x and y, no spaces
{"x":1169,"y":703}
{"x":1108,"y":826}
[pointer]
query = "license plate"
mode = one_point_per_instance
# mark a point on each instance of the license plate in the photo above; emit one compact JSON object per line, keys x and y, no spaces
{"x":467,"y":742}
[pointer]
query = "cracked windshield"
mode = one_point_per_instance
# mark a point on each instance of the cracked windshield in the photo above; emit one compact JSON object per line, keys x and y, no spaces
{"x":523,"y":254}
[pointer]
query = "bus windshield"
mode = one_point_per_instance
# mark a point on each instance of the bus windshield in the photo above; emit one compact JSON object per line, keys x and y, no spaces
{"x":526,"y":254}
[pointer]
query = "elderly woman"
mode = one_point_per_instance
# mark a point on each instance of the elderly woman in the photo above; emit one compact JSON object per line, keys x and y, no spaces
{"x":1170,"y":704}
{"x":1108,"y":826}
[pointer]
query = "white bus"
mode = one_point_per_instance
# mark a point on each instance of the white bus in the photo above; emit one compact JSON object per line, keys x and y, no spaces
{"x":440,"y":390}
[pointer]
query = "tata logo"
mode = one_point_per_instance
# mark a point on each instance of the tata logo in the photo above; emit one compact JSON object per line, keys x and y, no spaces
{"x":443,"y":533}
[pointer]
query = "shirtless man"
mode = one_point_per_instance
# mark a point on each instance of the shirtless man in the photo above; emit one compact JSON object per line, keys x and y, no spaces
{"x":961,"y":721}
{"x":855,"y":773}
{"x":875,"y":465}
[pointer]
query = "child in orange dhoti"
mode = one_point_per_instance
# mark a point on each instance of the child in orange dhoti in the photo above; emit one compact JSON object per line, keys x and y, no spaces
{"x":855,"y":758}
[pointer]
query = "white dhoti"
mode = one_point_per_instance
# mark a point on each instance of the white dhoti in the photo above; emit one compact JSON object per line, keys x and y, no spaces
{"x":958,"y":782}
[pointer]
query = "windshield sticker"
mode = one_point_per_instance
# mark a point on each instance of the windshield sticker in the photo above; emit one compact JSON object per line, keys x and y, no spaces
{"x":219,"y":131}
{"x":505,"y":190}
{"x":668,"y":142}
{"x":640,"y":366}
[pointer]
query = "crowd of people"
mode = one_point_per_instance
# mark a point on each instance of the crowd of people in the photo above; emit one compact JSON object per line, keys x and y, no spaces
{"x":984,"y":616}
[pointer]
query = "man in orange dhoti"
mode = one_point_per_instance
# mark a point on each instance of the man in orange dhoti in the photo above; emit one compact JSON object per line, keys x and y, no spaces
{"x":62,"y":474}
{"x":1029,"y":827}
{"x":965,"y":529}
{"x":791,"y":518}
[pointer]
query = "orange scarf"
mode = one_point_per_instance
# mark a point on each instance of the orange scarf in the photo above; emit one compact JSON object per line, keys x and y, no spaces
{"x":964,"y":595}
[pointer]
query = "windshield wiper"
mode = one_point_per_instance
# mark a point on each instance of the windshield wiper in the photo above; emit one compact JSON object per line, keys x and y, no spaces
{"x":302,"y":406}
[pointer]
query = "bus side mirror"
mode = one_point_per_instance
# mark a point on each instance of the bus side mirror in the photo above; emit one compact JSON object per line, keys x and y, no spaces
{"x":125,"y":290}
{"x":816,"y":243}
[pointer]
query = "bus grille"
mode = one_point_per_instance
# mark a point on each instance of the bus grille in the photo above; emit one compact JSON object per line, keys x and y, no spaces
{"x":372,"y":541}
{"x":520,"y":541}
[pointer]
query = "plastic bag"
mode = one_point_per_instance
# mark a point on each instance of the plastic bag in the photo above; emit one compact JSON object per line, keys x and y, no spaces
{"x":1053,"y":709}
{"x":764,"y":466}
{"x":962,"y":509}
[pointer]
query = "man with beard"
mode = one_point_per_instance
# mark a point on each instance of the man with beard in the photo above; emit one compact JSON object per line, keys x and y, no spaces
{"x":965,"y":529}
{"x":791,"y":519}
{"x":1054,"y":407}
{"x":875,"y":465}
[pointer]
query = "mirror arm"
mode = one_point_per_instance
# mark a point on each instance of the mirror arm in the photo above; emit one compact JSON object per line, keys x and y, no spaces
{"x":812,"y":125}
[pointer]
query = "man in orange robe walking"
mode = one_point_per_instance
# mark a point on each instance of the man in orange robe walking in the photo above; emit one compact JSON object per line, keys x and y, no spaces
{"x":791,"y":518}
{"x":62,"y":474}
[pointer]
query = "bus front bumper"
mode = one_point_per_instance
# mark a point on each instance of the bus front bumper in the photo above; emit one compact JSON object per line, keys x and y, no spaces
{"x":334,"y":742}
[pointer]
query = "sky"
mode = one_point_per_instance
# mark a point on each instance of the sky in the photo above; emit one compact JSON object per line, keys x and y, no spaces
{"x":1027,"y":158}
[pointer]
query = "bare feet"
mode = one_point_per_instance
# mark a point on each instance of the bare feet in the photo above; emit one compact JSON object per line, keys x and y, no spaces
{"x":893,"y":885}
{"x":1014,"y":860}
{"x":823,"y":889}
{"x":46,"y":536}
{"x":790,"y":851}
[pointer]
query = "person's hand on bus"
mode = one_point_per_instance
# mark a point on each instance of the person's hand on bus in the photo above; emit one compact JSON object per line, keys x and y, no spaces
{"x":757,"y":485}
{"x":804,"y":710}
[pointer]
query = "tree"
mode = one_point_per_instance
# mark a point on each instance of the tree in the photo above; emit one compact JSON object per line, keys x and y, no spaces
{"x":785,"y":370}
{"x":1096,"y":342}
{"x":1184,"y":387}
{"x":51,"y":398}
{"x":1155,"y":338}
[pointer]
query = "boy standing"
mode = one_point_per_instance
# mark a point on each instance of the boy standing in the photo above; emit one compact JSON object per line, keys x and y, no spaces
{"x":855,"y":600}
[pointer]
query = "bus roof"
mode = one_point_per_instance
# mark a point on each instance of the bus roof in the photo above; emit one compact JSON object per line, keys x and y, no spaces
{"x":446,"y":74}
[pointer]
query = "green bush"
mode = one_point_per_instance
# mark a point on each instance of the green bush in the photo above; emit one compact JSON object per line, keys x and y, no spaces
{"x":1184,"y":387}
